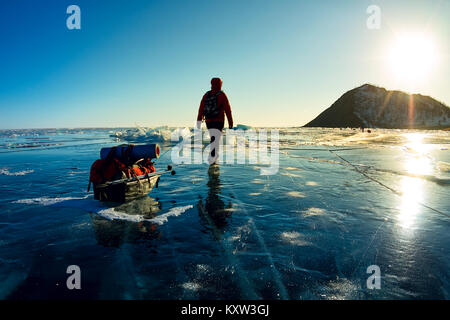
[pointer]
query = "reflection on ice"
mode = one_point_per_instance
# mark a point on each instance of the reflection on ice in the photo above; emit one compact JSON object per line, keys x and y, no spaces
{"x":411,"y":196}
{"x":418,"y":166}
{"x":415,"y":142}
{"x":412,"y":188}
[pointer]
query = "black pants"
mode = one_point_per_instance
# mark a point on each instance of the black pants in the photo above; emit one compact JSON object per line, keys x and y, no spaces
{"x":214,"y":125}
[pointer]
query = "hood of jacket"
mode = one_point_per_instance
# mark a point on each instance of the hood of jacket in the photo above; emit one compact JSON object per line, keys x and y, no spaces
{"x":216,"y":84}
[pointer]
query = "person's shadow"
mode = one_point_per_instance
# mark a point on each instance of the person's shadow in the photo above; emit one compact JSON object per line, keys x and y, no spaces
{"x":215,"y":211}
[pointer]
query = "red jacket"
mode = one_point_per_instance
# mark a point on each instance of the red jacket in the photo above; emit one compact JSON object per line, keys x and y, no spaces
{"x":222,"y":103}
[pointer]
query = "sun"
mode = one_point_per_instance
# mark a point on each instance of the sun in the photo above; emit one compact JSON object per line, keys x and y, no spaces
{"x":411,"y":59}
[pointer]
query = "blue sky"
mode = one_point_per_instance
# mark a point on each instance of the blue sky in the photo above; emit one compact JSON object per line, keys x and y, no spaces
{"x":150,"y":62}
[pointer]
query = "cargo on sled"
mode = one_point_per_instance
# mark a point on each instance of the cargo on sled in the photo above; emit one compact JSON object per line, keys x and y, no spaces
{"x":125,"y":172}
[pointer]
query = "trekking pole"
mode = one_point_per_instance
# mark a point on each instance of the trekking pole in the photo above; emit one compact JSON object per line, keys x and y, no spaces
{"x":149,"y":175}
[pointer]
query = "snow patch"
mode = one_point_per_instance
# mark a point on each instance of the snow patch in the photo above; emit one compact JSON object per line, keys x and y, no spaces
{"x":193,"y":286}
{"x":46,"y":201}
{"x":6,"y":172}
{"x":110,"y":213}
{"x":294,"y":238}
{"x":314,"y":212}
{"x":296,"y":194}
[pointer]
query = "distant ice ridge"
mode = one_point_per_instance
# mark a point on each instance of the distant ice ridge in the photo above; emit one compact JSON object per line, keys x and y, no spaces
{"x":242,"y":127}
{"x":6,"y":172}
{"x":350,"y":137}
{"x":87,"y":203}
{"x":140,"y":134}
{"x":15,"y":133}
{"x":158,"y":134}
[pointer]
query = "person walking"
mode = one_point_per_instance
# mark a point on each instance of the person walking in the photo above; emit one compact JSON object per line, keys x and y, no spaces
{"x":213,"y":108}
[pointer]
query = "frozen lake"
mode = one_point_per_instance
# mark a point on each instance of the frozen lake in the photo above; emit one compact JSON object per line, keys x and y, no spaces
{"x":341,"y":201}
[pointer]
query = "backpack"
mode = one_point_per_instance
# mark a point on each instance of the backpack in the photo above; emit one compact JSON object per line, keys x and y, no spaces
{"x":211,"y":109}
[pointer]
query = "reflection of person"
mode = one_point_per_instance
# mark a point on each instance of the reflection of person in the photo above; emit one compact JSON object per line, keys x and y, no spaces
{"x":215,"y":210}
{"x":213,"y":107}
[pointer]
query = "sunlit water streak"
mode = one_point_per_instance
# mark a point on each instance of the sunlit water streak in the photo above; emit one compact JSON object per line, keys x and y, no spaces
{"x":413,"y":191}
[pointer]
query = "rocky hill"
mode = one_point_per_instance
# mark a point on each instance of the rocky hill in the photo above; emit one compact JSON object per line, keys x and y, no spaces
{"x":372,"y":106}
